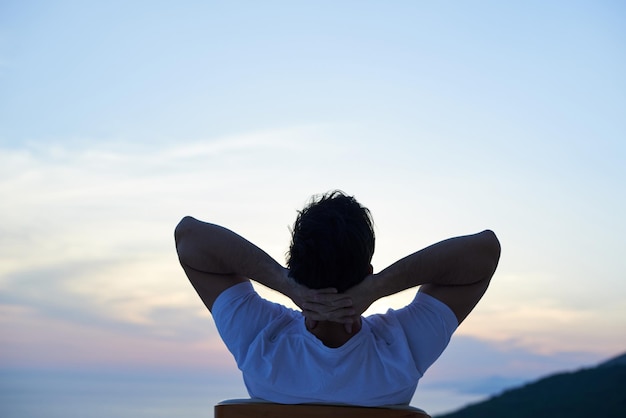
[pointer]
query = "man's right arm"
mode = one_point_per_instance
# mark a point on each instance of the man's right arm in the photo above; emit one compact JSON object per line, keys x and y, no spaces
{"x":456,"y":271}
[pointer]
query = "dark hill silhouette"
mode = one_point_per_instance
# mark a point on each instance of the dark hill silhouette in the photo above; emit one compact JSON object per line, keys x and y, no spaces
{"x":594,"y":392}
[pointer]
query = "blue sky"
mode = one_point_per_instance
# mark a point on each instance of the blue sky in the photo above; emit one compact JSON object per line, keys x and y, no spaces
{"x":119,"y":118}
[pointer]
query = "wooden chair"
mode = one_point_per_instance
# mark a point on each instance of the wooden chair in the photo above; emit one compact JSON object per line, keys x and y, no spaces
{"x":255,"y":408}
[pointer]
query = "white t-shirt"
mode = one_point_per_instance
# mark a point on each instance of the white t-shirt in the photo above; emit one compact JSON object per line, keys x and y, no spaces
{"x":283,"y":362}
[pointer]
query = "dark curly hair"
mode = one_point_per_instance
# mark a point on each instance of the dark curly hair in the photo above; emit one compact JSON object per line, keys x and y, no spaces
{"x":332,"y":243}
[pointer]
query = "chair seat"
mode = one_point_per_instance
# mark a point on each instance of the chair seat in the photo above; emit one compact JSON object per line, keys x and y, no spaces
{"x":256,"y":408}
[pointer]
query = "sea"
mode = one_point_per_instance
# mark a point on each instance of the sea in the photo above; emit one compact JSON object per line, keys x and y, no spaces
{"x":139,"y":394}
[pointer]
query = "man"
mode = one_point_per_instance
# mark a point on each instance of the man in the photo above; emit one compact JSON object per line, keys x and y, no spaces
{"x":329,"y":352}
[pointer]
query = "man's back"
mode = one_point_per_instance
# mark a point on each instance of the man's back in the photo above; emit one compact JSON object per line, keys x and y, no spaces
{"x":282,"y":361}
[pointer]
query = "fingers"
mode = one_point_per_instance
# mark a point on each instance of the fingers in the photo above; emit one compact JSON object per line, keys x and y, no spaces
{"x":322,"y":312}
{"x":328,"y":290}
{"x":347,"y":321}
{"x":327,"y":305}
{"x":341,"y":315}
{"x":330,"y":299}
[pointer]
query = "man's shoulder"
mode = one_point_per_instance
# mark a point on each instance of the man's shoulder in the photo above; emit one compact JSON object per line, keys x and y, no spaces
{"x":227,"y":297}
{"x":424,"y":311}
{"x":243,"y":296}
{"x":243,"y":318}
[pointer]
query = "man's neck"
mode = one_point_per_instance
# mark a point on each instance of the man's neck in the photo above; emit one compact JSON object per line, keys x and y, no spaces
{"x":333,"y":334}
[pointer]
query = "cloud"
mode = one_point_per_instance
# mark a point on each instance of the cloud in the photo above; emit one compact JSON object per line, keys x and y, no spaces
{"x":548,"y":312}
{"x":87,"y":239}
{"x":32,"y":340}
{"x":87,"y":233}
{"x":108,"y":293}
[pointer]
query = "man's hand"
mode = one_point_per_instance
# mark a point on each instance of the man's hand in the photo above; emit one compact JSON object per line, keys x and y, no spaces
{"x":327,"y":305}
{"x":363,"y":294}
{"x":318,"y":304}
{"x":345,"y":308}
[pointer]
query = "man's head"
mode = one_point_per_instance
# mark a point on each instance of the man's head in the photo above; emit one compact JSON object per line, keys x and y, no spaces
{"x":332,"y":243}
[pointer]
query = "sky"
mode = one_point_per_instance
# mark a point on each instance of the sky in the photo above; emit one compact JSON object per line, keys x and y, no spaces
{"x":119,"y":118}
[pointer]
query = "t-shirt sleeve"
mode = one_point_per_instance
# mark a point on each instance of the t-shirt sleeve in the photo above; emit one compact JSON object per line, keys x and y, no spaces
{"x":240,"y":314}
{"x":428,"y":324}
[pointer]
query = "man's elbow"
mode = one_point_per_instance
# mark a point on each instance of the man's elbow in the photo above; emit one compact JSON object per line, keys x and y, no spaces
{"x":181,"y":231}
{"x":492,"y":249}
{"x":183,"y":227}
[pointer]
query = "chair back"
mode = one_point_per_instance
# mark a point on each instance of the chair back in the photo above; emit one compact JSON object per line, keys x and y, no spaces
{"x":253,"y":408}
